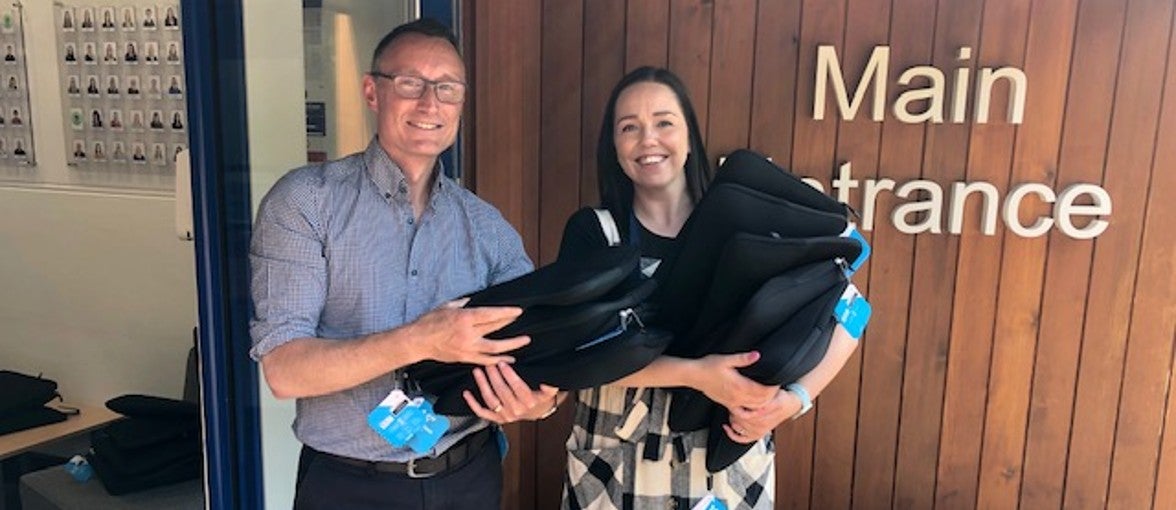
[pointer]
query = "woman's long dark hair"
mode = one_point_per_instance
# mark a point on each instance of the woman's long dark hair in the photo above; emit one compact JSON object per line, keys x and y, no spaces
{"x":616,"y":190}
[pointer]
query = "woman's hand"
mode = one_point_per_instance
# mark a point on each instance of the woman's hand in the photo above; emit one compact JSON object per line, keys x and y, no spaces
{"x":748,"y":425}
{"x":718,"y":377}
{"x":509,"y":398}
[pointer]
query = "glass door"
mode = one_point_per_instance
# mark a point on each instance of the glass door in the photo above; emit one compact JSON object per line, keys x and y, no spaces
{"x":281,"y":88}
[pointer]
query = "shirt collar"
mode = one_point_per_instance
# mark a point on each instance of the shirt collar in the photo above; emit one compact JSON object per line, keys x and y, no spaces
{"x":389,"y":177}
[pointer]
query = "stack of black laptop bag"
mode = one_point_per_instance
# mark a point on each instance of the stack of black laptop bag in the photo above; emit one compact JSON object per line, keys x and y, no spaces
{"x":158,"y":443}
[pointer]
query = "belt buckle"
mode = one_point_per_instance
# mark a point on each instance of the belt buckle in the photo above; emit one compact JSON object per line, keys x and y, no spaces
{"x":413,"y":473}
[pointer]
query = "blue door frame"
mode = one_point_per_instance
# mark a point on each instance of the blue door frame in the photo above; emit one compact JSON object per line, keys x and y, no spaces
{"x":214,"y":55}
{"x":214,"y":49}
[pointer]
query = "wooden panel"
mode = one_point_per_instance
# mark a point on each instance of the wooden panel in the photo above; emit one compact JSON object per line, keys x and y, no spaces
{"x":813,"y":143}
{"x":944,"y":157}
{"x":1149,"y":351}
{"x":647,"y":34}
{"x":910,"y":46}
{"x":508,"y":149}
{"x":1133,"y":126}
{"x":690,"y":50}
{"x":733,"y":54}
{"x":560,"y":160}
{"x":1156,"y":314}
{"x":527,"y":47}
{"x":883,"y":355}
{"x":1165,"y":491}
{"x":1018,"y":310}
{"x":1002,"y":42}
{"x":777,"y":54}
{"x":560,"y":130}
{"x":507,"y":155}
{"x":604,"y":65}
{"x":857,"y":144}
{"x":471,"y":31}
{"x":1098,"y":27}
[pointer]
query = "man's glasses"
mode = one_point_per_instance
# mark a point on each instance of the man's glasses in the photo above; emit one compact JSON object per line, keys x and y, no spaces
{"x":413,"y":87}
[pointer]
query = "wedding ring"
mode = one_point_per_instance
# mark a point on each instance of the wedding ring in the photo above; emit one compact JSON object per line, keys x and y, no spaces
{"x":497,"y":408}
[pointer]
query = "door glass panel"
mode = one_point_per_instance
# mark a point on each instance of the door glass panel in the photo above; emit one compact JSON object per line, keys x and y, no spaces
{"x":304,"y":68}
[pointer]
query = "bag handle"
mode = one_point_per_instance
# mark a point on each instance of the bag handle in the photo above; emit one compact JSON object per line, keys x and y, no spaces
{"x":609,"y":226}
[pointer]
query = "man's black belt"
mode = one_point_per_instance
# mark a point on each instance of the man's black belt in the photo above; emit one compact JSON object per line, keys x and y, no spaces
{"x":455,"y":456}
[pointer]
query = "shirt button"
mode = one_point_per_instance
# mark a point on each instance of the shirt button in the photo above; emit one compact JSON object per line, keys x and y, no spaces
{"x":410,"y":221}
{"x":402,"y":188}
{"x":414,"y":272}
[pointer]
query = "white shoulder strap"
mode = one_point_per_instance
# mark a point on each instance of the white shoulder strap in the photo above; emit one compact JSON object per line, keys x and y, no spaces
{"x":609,"y":226}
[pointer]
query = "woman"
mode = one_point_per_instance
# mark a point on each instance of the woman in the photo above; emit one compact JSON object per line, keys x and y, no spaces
{"x":652,"y":169}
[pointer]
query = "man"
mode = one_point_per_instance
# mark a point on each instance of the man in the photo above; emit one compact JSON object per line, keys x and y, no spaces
{"x":354,"y":262}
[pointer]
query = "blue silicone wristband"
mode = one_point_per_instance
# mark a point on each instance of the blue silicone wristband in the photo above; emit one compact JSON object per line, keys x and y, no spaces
{"x":806,"y":401}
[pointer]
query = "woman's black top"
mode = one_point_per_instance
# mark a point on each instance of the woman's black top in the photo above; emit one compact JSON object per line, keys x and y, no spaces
{"x":583,"y":233}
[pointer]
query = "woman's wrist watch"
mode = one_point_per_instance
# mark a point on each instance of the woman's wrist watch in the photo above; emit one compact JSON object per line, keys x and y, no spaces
{"x":806,"y":401}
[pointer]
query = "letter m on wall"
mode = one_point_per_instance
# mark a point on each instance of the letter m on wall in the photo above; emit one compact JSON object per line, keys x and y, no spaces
{"x":829,"y":69}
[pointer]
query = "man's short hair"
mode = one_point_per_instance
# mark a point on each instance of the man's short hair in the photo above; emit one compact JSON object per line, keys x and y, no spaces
{"x":427,"y":27}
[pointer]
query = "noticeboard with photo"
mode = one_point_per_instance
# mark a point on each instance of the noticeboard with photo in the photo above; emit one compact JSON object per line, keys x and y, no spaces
{"x":122,"y":87}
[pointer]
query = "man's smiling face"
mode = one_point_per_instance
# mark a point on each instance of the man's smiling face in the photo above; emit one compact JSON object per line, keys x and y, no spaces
{"x":415,"y":131}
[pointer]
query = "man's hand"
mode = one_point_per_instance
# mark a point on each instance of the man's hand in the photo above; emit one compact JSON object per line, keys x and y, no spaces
{"x":509,"y":398}
{"x":452,"y":334}
{"x":718,"y":378}
{"x":748,"y":425}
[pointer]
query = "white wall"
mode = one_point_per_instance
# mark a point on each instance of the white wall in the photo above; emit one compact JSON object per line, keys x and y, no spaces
{"x":96,"y":291}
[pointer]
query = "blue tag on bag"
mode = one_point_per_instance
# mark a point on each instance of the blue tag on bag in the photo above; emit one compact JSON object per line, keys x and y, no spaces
{"x":431,"y":427}
{"x":853,"y":311}
{"x":710,"y":502}
{"x":383,"y":419}
{"x":851,"y":231}
{"x":410,"y":420}
{"x":403,"y":421}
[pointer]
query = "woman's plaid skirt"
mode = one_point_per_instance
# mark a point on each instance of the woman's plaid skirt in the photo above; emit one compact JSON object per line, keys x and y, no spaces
{"x":622,"y":455}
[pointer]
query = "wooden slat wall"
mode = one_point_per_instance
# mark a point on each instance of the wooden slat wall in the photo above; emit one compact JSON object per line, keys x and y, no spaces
{"x":970,"y":344}
{"x":1093,"y":444}
{"x":506,"y":94}
{"x":1069,"y":262}
{"x":999,"y":371}
{"x":1153,"y":310}
{"x":837,"y":433}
